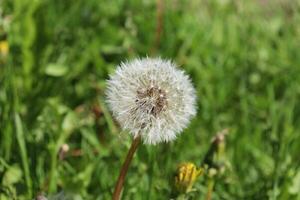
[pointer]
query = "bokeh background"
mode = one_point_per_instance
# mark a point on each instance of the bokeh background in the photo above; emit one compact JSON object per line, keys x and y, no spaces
{"x":58,"y":138}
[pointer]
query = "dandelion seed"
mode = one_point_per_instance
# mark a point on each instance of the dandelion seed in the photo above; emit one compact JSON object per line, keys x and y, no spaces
{"x":151,"y":98}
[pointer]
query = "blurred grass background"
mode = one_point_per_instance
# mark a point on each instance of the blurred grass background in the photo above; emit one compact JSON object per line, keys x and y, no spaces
{"x":243,"y":57}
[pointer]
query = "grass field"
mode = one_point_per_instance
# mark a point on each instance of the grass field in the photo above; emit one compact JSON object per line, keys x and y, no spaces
{"x":58,"y":138}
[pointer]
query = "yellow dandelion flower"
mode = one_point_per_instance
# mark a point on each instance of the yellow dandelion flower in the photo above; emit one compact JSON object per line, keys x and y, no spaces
{"x":186,"y":175}
{"x":4,"y":48}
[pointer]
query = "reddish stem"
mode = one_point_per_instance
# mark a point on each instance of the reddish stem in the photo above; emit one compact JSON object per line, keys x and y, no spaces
{"x":124,"y":169}
{"x":159,"y":25}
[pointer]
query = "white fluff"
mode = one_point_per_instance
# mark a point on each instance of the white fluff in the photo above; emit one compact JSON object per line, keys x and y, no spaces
{"x":151,"y":97}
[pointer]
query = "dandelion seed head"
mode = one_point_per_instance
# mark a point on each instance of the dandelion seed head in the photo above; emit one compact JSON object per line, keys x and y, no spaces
{"x":151,"y":97}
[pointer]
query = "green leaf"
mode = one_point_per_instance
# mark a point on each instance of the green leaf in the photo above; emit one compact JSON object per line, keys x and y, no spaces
{"x":295,"y":188}
{"x":12,"y":175}
{"x":70,"y":122}
{"x":56,"y":70}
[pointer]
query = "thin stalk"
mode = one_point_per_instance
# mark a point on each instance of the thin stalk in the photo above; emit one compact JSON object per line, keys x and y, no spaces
{"x":24,"y":155}
{"x":53,"y":173}
{"x":210,"y":188}
{"x":124,"y":169}
{"x":152,"y":161}
{"x":54,"y":150}
{"x":159,"y":25}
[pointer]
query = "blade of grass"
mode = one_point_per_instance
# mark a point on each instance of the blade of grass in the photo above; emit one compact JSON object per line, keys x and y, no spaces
{"x":111,"y":125}
{"x":152,"y":164}
{"x":23,"y":152}
{"x":68,"y":125}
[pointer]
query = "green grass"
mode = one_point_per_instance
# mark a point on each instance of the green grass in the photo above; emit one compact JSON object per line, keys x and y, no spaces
{"x":244,"y":60}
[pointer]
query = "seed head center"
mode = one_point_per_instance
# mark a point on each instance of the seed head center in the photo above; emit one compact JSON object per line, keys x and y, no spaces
{"x":153,"y":99}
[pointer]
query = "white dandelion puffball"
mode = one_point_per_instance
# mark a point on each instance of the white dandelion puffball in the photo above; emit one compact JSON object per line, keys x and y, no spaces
{"x":151,"y":98}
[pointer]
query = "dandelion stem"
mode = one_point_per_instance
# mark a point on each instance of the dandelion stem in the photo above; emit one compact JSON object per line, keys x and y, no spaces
{"x":124,"y":169}
{"x":159,"y":25}
{"x":210,"y":189}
